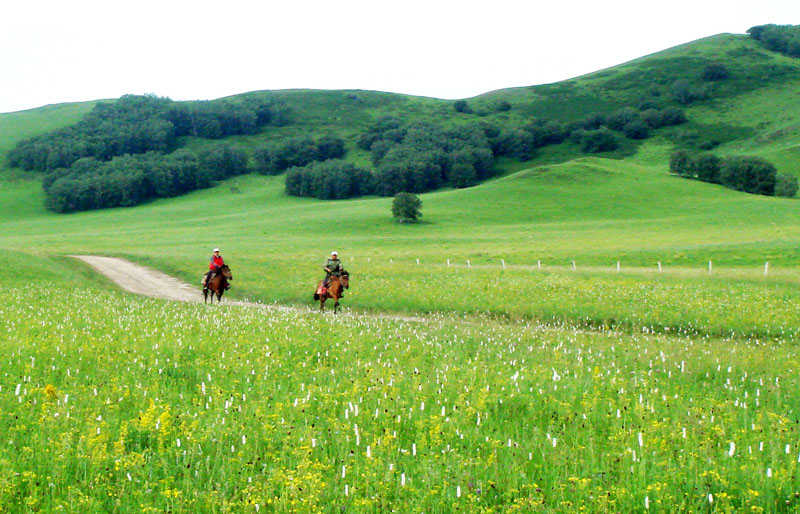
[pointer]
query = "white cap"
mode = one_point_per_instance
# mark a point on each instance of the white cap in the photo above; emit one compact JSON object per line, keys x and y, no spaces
{"x":216,"y":249}
{"x":334,"y":252}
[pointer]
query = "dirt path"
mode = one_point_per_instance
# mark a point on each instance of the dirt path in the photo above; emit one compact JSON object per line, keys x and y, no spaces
{"x":149,"y":282}
{"x":144,"y":281}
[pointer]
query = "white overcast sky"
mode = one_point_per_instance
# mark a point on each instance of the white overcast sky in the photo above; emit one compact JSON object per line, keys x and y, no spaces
{"x":66,"y":51}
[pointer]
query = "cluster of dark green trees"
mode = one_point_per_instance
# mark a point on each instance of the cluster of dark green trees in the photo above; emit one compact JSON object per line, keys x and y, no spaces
{"x":424,"y":156}
{"x":333,"y":179}
{"x":749,"y":174}
{"x":415,"y":158}
{"x":128,"y":180}
{"x":275,"y":158}
{"x":778,"y":38}
{"x":136,"y":124}
{"x":600,"y":132}
{"x":117,"y":154}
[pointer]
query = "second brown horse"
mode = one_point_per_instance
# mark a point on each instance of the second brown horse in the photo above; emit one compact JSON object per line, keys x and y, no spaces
{"x":335,"y":289}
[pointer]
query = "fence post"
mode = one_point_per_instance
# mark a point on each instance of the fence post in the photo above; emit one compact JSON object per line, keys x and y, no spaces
{"x":504,"y":263}
{"x":539,"y":264}
{"x":766,"y":268}
{"x":417,"y":261}
{"x":448,"y":263}
{"x":709,"y":266}
{"x":468,"y":265}
{"x":574,"y":268}
{"x":659,"y":266}
{"x":617,"y":266}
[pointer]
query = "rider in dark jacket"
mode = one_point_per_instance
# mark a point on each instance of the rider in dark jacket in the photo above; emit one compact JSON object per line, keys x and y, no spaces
{"x":333,"y":268}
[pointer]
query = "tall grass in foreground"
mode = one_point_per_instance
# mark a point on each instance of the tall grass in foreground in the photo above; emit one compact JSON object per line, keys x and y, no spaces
{"x":118,"y":404}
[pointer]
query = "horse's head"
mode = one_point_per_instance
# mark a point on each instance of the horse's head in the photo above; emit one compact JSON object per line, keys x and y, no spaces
{"x":226,"y":272}
{"x":345,"y":279}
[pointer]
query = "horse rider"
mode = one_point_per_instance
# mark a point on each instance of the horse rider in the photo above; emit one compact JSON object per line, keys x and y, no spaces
{"x":214,"y":266}
{"x":333,"y":268}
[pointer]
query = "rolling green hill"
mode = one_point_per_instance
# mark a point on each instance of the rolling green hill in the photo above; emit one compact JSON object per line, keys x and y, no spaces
{"x":557,"y":208}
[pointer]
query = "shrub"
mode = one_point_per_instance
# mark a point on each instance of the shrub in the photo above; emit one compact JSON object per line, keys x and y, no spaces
{"x":749,"y":174}
{"x":330,"y":147}
{"x":546,"y":132}
{"x":786,"y":185}
{"x":672,"y":116}
{"x":681,"y":162}
{"x":595,"y":141}
{"x":715,"y":71}
{"x":502,"y":106}
{"x":462,"y":106}
{"x":515,"y":143}
{"x":636,"y":129}
{"x":406,"y":207}
{"x":618,"y":119}
{"x":592,"y":121}
{"x":681,"y":92}
{"x":707,"y":167}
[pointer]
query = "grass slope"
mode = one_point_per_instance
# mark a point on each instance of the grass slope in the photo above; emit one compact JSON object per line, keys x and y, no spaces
{"x":594,"y":211}
{"x":115,"y":403}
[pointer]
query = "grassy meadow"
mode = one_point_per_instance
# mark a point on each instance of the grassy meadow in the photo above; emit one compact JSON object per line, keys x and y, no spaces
{"x":592,"y":211}
{"x":519,"y":387}
{"x":115,"y":403}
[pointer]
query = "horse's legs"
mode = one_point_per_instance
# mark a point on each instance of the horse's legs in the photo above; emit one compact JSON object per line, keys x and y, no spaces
{"x":336,"y":307}
{"x":205,"y":295}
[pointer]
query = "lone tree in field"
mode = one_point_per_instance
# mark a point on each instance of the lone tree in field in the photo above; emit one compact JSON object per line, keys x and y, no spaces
{"x":406,"y":207}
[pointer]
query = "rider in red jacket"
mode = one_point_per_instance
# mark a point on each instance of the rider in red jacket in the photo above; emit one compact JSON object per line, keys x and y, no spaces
{"x":214,"y":265}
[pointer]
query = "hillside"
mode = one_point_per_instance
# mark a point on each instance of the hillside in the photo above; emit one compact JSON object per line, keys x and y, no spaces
{"x":557,"y":208}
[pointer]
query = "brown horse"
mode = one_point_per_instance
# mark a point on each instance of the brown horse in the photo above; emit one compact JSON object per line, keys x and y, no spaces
{"x":218,"y":284}
{"x":335,"y":288}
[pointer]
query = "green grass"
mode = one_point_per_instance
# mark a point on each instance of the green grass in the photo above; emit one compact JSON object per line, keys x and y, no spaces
{"x":592,"y":211}
{"x":115,"y":403}
{"x":566,"y":368}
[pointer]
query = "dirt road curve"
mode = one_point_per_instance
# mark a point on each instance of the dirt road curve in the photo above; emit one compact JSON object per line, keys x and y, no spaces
{"x":144,"y":281}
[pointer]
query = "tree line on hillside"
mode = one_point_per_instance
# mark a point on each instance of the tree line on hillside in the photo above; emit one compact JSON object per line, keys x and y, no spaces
{"x":129,"y":180}
{"x":273,"y":158}
{"x":136,"y":124}
{"x":416,"y":158}
{"x":778,"y":38}
{"x":421,"y":157}
{"x":749,"y":174}
{"x":118,"y":146}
